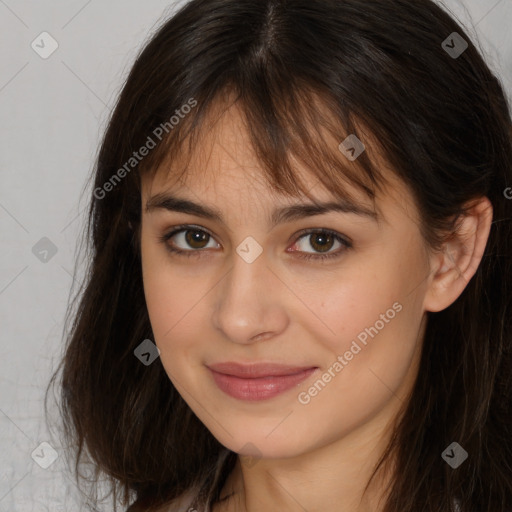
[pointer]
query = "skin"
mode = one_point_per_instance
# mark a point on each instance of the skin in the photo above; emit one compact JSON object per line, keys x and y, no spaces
{"x":218,"y":308}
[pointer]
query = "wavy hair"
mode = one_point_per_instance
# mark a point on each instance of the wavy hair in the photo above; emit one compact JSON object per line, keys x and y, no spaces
{"x":442,"y":122}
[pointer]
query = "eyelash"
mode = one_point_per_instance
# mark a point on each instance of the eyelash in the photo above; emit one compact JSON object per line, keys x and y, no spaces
{"x":305,"y":256}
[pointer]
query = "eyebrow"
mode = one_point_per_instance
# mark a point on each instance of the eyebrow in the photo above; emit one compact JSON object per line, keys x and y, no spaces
{"x":168,"y":202}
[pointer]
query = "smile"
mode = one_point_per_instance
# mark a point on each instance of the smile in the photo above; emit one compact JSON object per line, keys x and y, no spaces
{"x":253,"y":383}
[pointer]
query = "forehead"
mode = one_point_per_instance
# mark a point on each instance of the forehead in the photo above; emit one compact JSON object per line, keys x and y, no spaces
{"x":222,"y":153}
{"x":223,"y":169}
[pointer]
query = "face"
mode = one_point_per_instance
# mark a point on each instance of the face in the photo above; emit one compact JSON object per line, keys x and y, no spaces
{"x":246,"y":290}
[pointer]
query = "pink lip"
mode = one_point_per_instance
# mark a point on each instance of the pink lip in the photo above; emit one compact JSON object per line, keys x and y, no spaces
{"x":257,"y":381}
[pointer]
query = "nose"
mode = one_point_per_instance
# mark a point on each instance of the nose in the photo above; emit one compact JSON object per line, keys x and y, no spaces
{"x":250,"y":302}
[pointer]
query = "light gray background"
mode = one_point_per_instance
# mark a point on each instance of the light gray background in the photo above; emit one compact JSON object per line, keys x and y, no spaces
{"x":53,"y":113}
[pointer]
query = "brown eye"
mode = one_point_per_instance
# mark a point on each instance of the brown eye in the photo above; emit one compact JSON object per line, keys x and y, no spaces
{"x":187,"y":241}
{"x":196,"y":238}
{"x":321,"y":242}
{"x":190,"y":241}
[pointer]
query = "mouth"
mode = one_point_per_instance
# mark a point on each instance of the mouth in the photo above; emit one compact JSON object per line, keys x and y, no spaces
{"x":259,"y":381}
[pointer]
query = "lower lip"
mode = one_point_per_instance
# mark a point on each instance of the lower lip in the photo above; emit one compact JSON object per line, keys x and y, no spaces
{"x":261,"y":388}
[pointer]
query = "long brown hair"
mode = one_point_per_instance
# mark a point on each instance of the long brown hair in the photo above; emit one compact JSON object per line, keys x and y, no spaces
{"x":440,"y":117}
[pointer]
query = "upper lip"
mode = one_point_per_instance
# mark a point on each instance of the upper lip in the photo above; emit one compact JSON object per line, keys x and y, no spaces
{"x":256,"y":370}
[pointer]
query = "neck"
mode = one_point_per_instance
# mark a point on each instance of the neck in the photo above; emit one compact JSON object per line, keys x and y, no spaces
{"x":329,"y":479}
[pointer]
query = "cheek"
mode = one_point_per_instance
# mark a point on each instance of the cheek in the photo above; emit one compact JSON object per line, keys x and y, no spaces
{"x":171,"y":315}
{"x":348,"y":307}
{"x":367,"y":361}
{"x":177,"y":308}
{"x":372,"y":319}
{"x":167,"y":299}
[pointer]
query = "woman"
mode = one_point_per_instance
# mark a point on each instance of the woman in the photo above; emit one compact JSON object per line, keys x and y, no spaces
{"x":299,"y":289}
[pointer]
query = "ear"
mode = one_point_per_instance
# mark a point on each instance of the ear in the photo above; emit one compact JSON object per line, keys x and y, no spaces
{"x":456,"y":263}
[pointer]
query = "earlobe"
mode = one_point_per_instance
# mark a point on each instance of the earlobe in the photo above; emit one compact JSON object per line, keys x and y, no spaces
{"x":455,"y":265}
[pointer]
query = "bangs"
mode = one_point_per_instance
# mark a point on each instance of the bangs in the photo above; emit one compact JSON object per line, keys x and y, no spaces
{"x":285,"y":128}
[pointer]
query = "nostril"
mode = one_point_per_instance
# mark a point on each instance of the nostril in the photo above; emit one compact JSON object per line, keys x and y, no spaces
{"x":264,"y":335}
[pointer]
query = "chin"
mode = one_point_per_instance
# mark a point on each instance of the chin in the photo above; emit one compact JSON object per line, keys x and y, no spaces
{"x":256,"y":443}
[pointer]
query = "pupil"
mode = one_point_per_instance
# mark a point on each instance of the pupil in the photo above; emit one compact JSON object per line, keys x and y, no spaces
{"x":324,"y":240}
{"x":196,"y":237}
